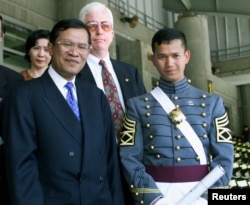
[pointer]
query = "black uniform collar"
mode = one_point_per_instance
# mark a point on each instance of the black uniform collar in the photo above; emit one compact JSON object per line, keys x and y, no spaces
{"x":173,"y":88}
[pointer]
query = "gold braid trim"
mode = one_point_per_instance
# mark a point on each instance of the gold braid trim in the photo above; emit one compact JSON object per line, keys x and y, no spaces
{"x":223,"y":132}
{"x":144,"y":191}
{"x":128,"y":133}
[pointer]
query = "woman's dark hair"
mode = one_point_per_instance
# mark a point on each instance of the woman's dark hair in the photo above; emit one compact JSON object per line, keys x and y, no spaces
{"x":32,"y":39}
{"x":2,"y":26}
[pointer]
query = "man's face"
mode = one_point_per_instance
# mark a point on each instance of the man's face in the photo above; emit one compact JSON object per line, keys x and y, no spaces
{"x":170,"y":60}
{"x":69,"y":52}
{"x":101,"y":34}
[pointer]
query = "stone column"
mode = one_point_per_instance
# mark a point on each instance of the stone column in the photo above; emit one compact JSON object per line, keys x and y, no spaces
{"x":196,"y":30}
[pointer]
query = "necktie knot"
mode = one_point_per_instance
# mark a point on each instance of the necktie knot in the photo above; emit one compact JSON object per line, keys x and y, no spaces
{"x":102,"y":63}
{"x":69,"y":85}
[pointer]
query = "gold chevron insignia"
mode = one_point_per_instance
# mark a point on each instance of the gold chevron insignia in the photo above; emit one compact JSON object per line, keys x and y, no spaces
{"x":223,"y":131}
{"x":128,"y":133}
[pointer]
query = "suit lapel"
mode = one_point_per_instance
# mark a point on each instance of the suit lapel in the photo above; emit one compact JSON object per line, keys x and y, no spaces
{"x":123,"y":78}
{"x":86,"y":74}
{"x":60,"y":108}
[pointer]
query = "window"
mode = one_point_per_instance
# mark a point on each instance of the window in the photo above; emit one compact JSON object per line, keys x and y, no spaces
{"x":14,"y":44}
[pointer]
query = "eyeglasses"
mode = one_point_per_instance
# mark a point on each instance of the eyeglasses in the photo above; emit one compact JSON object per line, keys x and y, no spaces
{"x":105,"y":25}
{"x":67,"y":46}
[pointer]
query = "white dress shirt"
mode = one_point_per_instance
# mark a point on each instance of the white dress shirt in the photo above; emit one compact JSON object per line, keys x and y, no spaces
{"x":96,"y":71}
{"x":61,"y":82}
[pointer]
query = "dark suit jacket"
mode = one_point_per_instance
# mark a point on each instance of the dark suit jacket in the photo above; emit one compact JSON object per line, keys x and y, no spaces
{"x":131,"y":85}
{"x":8,"y":78}
{"x":52,"y":158}
{"x":128,"y":76}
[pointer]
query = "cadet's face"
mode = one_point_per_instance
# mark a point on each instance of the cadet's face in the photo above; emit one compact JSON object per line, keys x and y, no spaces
{"x":170,"y":60}
{"x":69,"y":62}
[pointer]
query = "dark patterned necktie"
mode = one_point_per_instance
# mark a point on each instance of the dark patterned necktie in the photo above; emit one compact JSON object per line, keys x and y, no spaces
{"x":113,"y":98}
{"x":71,"y":99}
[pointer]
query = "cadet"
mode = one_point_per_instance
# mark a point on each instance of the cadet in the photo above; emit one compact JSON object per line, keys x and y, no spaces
{"x":176,"y":133}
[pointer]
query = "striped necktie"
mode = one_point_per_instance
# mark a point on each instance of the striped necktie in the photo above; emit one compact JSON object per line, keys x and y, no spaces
{"x":71,"y":99}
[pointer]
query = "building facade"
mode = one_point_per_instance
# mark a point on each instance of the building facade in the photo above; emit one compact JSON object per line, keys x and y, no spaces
{"x":132,"y":45}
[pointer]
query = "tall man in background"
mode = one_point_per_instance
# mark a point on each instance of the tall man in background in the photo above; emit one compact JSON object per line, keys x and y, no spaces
{"x":99,"y":20}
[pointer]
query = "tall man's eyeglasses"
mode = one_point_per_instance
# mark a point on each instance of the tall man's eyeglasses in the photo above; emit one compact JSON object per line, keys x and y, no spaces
{"x":67,"y":46}
{"x":105,"y":25}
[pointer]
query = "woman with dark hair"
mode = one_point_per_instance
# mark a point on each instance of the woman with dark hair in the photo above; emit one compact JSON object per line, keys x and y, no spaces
{"x":37,"y":54}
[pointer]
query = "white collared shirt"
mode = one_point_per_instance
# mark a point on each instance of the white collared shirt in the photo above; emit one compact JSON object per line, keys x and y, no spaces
{"x":60,"y":82}
{"x":96,"y":71}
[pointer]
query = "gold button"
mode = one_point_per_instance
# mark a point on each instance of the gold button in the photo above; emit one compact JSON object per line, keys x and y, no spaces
{"x":141,"y":202}
{"x":152,"y":147}
{"x":178,"y":137}
{"x":204,"y":124}
{"x":198,"y":158}
{"x":148,"y":125}
{"x":204,"y":96}
{"x":178,"y":159}
{"x":147,"y":106}
{"x":148,"y":114}
{"x":203,"y":114}
{"x":145,"y":99}
{"x":203,"y":105}
{"x":204,"y":136}
{"x":177,"y":147}
{"x":158,"y":156}
{"x":150,"y":136}
{"x":175,"y":97}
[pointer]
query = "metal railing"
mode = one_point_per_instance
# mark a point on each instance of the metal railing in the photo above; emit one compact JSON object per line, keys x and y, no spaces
{"x":128,"y":10}
{"x":216,"y":55}
{"x":231,"y":53}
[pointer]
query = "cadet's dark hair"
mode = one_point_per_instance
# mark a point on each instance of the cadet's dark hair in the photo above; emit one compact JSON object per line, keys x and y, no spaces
{"x":166,"y":35}
{"x":32,"y":39}
{"x":67,"y":24}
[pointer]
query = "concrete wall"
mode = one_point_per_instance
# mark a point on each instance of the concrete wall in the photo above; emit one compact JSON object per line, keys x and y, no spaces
{"x":40,"y":14}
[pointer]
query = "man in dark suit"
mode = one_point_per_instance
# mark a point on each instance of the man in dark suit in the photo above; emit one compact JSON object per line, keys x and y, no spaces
{"x":99,"y":20}
{"x":8,"y":78}
{"x":128,"y":81}
{"x":54,"y":157}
